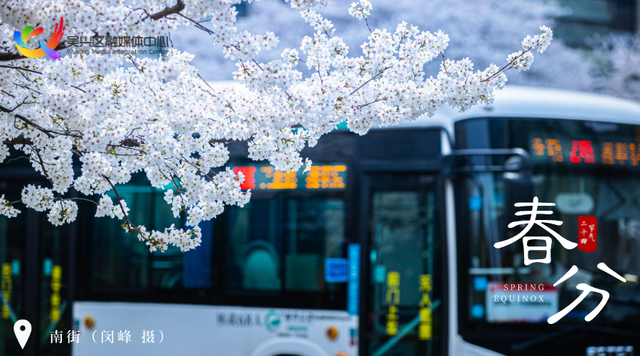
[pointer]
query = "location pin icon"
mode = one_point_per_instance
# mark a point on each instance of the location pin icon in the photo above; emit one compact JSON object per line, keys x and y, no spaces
{"x":22,"y":335}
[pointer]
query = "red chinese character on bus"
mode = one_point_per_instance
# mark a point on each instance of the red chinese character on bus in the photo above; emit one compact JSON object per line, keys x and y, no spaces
{"x":587,"y":233}
{"x":249,"y":176}
{"x":582,"y":150}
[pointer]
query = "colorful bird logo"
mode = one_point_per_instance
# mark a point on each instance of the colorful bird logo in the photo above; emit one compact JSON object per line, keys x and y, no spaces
{"x":45,"y":48}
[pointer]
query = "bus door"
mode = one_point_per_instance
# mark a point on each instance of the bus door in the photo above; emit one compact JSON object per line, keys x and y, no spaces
{"x":402,"y":315}
{"x":401,"y":311}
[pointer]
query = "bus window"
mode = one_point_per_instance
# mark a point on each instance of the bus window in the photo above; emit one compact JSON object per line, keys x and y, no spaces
{"x":253,"y":247}
{"x":315,"y":231}
{"x":122,"y":261}
{"x":281,"y":244}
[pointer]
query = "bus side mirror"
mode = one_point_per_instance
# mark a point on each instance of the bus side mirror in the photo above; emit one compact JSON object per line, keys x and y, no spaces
{"x":518,"y":185}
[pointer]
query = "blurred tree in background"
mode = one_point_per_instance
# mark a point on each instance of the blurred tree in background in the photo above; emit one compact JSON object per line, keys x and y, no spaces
{"x":585,"y":56}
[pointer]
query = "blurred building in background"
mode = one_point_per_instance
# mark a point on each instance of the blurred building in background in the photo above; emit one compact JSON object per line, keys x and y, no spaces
{"x":588,"y":17}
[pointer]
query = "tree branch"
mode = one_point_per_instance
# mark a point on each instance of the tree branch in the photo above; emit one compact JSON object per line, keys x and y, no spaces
{"x":179,"y":6}
{"x":130,"y":226}
{"x":20,"y":68}
{"x":506,"y":66}
{"x":20,"y":140}
{"x":197,"y":25}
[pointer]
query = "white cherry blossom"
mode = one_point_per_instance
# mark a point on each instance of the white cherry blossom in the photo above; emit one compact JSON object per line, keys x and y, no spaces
{"x":7,"y":209}
{"x":121,"y":114}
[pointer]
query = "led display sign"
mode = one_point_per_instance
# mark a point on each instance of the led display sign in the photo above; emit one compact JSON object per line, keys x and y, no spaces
{"x":613,"y":153}
{"x":265,"y":177}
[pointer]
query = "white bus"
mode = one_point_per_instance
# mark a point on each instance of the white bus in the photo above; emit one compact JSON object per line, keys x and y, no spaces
{"x":384,"y":248}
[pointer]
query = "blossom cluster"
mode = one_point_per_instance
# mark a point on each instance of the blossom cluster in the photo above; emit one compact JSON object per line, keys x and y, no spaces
{"x":121,"y":114}
{"x":523,"y":59}
{"x":7,"y":209}
{"x":360,"y":10}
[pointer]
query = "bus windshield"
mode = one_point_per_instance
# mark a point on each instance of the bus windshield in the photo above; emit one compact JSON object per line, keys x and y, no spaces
{"x":585,"y":169}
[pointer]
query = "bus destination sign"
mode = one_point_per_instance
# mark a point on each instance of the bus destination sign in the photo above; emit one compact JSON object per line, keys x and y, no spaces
{"x":612,"y":153}
{"x":319,"y":177}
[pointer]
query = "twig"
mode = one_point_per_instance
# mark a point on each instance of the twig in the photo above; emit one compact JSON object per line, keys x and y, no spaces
{"x":16,"y":158}
{"x":367,"y":22}
{"x":44,"y":170}
{"x":197,"y":24}
{"x":506,"y":66}
{"x":126,"y":217}
{"x":370,"y":79}
{"x":20,"y":68}
{"x":443,"y":64}
{"x":18,"y":116}
{"x":89,"y":200}
{"x":5,"y":93}
{"x":367,"y":104}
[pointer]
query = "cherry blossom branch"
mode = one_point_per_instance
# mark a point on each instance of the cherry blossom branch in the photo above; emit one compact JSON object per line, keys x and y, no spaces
{"x":44,"y":170}
{"x":7,"y":94}
{"x":159,"y":98}
{"x":20,"y":68}
{"x":175,"y":9}
{"x":207,"y":84}
{"x":507,"y":66}
{"x":197,"y":24}
{"x":17,"y":158}
{"x":9,"y":111}
{"x":170,"y":179}
{"x":27,"y":87}
{"x":373,"y":102}
{"x":444,"y":64}
{"x":367,"y":23}
{"x":124,"y":212}
{"x":27,"y":121}
{"x":83,"y":199}
{"x":370,"y":79}
{"x":19,"y":140}
{"x":195,"y":166}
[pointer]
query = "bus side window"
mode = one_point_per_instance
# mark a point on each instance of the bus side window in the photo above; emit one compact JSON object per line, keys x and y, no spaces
{"x":253,"y":244}
{"x":315,"y":231}
{"x":276,"y":243}
{"x":121,"y":261}
{"x":260,"y":266}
